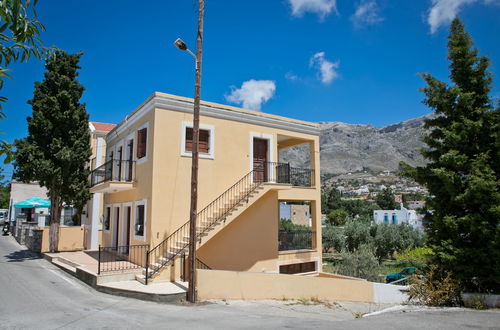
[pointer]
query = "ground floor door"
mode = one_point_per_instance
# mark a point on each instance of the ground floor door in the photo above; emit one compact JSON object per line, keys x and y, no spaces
{"x":116,"y":227}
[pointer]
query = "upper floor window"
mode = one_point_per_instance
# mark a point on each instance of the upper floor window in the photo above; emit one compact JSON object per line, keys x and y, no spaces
{"x":205,"y":142}
{"x":142,"y":141}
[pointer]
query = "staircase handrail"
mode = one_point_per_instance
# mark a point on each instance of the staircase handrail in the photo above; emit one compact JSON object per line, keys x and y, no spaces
{"x":249,"y":186}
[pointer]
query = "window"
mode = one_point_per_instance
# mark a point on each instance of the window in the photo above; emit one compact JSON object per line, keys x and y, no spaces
{"x":107,"y":218}
{"x":394,"y":219}
{"x":304,"y":267}
{"x":139,"y":220}
{"x":203,"y":143}
{"x":142,"y":141}
{"x":386,"y":218}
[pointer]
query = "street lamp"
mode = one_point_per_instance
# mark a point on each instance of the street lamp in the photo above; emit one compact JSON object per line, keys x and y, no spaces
{"x":191,"y":296}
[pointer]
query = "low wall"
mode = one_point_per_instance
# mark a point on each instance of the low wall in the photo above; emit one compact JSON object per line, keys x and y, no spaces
{"x":70,"y":239}
{"x":220,"y":284}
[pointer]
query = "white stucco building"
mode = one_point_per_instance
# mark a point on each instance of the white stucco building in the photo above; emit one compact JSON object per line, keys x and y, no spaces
{"x":396,"y":217}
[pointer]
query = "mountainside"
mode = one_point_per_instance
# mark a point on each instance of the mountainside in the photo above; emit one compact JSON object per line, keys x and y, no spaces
{"x":350,"y":148}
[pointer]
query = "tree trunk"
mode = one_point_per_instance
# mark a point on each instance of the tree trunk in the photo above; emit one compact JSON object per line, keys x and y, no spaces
{"x":55,"y":219}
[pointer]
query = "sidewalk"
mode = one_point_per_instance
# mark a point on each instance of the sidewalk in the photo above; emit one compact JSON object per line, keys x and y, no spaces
{"x":84,"y":266}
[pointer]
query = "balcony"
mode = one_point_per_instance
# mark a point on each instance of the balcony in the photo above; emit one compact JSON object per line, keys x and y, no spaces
{"x":113,"y":176}
{"x":296,"y":240}
{"x":283,"y":173}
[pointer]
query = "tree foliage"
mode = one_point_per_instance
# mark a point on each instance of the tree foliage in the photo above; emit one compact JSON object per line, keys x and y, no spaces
{"x":385,"y":200}
{"x":463,"y":170}
{"x":58,"y":143}
{"x":19,"y":36}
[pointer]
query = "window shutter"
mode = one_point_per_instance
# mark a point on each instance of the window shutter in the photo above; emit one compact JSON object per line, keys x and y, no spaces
{"x":142,"y":140}
{"x":203,"y":142}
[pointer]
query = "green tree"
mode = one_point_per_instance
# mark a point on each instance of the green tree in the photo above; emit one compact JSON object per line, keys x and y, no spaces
{"x":361,"y":263}
{"x":333,"y":238}
{"x":57,"y":147}
{"x":19,"y":36}
{"x":4,"y":191}
{"x":385,"y":200}
{"x":337,"y":217}
{"x":463,"y":170}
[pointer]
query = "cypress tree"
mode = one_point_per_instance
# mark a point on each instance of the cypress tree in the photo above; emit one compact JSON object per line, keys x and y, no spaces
{"x":57,"y":147}
{"x":463,"y":173}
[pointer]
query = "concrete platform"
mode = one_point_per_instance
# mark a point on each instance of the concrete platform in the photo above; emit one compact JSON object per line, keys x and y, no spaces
{"x":84,"y":265}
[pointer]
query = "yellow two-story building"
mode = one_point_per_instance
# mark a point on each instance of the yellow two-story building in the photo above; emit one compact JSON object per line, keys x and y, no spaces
{"x":146,"y":177}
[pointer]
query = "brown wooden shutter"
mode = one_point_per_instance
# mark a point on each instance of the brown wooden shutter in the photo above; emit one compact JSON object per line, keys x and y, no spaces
{"x":142,"y":140}
{"x":203,"y":142}
{"x":189,"y":139}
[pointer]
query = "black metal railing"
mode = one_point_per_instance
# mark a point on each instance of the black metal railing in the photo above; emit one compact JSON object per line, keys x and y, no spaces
{"x":284,"y":173}
{"x":113,"y":170}
{"x":119,"y":258}
{"x":296,"y":240}
{"x":178,"y":242}
{"x":185,"y":266}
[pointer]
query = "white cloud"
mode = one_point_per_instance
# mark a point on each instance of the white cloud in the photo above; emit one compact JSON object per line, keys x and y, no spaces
{"x":327,"y":70}
{"x":367,"y":13}
{"x":320,"y":7}
{"x":252,"y":94}
{"x":291,"y":76}
{"x":443,"y":12}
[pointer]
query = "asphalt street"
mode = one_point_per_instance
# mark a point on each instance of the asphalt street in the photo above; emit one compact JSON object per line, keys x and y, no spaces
{"x":34,"y":294}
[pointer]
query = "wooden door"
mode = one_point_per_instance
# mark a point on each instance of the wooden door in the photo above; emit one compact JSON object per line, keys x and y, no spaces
{"x":260,"y":160}
{"x":127,"y":228}
{"x":117,"y":226}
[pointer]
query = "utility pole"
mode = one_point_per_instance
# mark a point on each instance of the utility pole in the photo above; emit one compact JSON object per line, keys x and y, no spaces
{"x":194,"y":167}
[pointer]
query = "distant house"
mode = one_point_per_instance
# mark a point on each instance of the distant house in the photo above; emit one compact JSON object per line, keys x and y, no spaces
{"x":415,"y":205}
{"x":397,"y":217}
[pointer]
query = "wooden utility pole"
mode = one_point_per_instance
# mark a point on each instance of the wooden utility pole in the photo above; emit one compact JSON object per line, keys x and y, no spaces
{"x":194,"y":167}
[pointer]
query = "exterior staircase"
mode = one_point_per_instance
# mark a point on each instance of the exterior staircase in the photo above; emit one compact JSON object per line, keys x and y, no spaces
{"x":210,"y":220}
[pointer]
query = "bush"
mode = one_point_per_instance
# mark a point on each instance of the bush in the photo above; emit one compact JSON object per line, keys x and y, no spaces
{"x":337,"y":217}
{"x":287,"y":225}
{"x":361,"y":263}
{"x":476,"y":302}
{"x":436,"y":289}
{"x":416,"y":257}
{"x":333,"y":238}
{"x":391,"y":238}
{"x":356,"y":233}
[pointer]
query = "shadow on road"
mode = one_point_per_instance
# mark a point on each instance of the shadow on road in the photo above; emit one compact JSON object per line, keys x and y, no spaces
{"x":22,"y":255}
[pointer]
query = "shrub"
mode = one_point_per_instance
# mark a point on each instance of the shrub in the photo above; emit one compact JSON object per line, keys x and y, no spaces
{"x":476,"y":302}
{"x":416,"y":257}
{"x":337,"y":217}
{"x":287,"y":225}
{"x":436,"y":289}
{"x":391,"y":238}
{"x":356,"y":233}
{"x":361,"y":263}
{"x":333,"y":238}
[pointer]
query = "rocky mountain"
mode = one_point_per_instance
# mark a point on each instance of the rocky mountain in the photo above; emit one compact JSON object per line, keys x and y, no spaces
{"x":350,"y":148}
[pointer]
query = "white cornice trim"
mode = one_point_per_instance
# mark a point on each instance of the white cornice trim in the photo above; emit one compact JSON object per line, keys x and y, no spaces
{"x":162,"y":102}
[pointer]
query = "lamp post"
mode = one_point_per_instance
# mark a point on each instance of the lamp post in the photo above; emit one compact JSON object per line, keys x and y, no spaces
{"x":191,"y":296}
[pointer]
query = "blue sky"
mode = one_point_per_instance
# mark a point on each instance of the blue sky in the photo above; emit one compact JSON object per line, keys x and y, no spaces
{"x":314,"y":60}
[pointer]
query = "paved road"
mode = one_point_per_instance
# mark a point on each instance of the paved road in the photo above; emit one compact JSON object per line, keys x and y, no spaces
{"x":34,"y":294}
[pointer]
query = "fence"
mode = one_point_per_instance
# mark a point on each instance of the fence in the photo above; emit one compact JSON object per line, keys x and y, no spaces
{"x":118,"y":258}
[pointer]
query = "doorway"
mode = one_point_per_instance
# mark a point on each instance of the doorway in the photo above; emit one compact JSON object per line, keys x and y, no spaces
{"x":260,"y":165}
{"x":116,"y":227}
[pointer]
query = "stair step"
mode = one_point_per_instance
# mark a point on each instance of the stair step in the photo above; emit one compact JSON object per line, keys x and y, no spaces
{"x":155,"y":265}
{"x":150,"y":271}
{"x":140,"y":278}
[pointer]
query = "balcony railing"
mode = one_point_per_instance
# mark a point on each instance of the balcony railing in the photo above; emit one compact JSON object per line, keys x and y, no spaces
{"x":296,"y":240}
{"x":284,"y":173}
{"x":113,"y":170}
